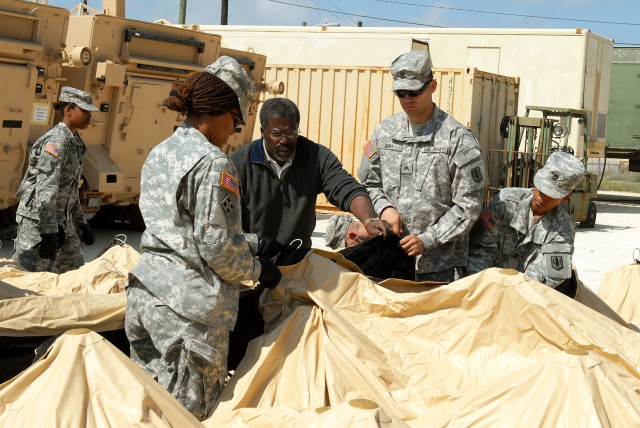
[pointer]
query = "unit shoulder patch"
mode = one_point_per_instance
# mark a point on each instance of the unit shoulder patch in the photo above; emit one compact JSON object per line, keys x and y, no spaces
{"x":230,"y":183}
{"x":52,"y":150}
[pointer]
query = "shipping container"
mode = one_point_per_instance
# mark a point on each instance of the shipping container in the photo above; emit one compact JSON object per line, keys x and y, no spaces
{"x":623,"y":132}
{"x":340,"y":106}
{"x":561,"y":68}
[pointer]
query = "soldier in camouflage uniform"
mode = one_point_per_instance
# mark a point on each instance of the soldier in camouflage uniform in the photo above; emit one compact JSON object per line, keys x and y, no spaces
{"x":425,"y":174}
{"x":51,"y":222}
{"x":344,"y":231}
{"x":527,"y":229}
{"x":182,"y":297}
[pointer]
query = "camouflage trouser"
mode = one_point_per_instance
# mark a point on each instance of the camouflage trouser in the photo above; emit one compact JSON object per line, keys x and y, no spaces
{"x":446,"y":275}
{"x":187,"y":358}
{"x":68,"y":257}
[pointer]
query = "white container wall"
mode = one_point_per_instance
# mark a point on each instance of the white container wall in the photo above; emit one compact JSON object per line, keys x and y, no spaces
{"x":560,"y":68}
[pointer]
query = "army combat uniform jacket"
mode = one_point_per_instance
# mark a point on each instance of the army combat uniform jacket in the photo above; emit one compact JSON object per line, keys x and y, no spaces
{"x":501,"y":238}
{"x":193,"y":252}
{"x":49,"y":191}
{"x":435,"y":179}
{"x":49,"y":201}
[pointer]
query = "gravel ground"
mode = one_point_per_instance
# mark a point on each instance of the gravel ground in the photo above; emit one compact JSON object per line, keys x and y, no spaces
{"x":599,"y":250}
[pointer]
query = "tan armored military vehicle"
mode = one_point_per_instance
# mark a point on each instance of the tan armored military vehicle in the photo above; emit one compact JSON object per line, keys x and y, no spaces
{"x":129,"y":67}
{"x":32,"y":40}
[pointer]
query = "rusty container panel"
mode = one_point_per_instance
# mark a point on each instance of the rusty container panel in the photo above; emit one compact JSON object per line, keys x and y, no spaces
{"x":340,"y":106}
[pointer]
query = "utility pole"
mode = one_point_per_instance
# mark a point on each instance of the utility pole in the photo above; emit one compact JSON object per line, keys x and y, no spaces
{"x":224,"y":13}
{"x":182,"y":12}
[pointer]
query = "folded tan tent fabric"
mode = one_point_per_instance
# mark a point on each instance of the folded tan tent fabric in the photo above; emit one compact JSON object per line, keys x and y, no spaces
{"x":620,"y":289}
{"x":84,"y":381}
{"x":493,"y":349}
{"x":44,"y":304}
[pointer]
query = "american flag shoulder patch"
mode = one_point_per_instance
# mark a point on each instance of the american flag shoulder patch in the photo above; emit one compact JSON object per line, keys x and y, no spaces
{"x":230,"y":183}
{"x":488,"y":220}
{"x":369,"y":149}
{"x":52,"y":150}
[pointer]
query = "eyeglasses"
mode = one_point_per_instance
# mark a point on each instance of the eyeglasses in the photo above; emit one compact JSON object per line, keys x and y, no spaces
{"x":401,"y":93}
{"x":277,"y":134}
{"x":237,"y":119}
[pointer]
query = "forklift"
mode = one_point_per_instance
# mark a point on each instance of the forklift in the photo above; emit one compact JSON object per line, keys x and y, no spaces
{"x":526,"y":146}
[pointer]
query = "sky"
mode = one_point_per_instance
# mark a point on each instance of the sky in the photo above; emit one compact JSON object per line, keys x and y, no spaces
{"x":613,"y":19}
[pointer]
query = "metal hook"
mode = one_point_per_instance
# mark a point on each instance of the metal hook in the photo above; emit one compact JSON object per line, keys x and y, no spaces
{"x":298,"y":240}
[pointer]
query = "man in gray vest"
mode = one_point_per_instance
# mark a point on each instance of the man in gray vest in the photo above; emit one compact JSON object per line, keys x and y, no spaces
{"x":527,"y":229}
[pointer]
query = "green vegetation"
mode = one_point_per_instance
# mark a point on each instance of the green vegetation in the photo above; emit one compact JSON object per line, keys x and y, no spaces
{"x":619,"y":180}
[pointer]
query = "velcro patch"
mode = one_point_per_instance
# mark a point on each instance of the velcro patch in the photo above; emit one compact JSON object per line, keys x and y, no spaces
{"x":488,"y":220}
{"x":369,"y":149}
{"x":52,"y":150}
{"x":227,"y":205}
{"x":230,"y":183}
{"x":476,"y":174}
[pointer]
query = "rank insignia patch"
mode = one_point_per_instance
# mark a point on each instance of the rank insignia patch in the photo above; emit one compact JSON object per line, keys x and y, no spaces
{"x":369,"y":149}
{"x":52,"y":150}
{"x":230,"y":183}
{"x":488,"y":220}
{"x":227,"y":205}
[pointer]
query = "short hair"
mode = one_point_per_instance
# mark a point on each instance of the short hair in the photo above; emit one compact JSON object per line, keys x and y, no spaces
{"x":202,"y":93}
{"x":278,"y":107}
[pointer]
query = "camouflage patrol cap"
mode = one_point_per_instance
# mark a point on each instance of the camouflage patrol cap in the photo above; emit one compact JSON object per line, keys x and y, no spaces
{"x":337,"y":227}
{"x":560,"y":175}
{"x":411,"y":70}
{"x":82,"y":99}
{"x":231,"y":73}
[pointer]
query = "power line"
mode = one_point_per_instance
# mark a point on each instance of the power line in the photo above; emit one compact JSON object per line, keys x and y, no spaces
{"x":455,"y":9}
{"x":337,"y":16}
{"x":509,"y":14}
{"x":355,"y":14}
{"x":336,"y":6}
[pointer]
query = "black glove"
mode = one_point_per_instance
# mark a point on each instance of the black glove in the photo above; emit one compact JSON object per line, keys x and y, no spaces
{"x":48,"y":245}
{"x":270,"y":276}
{"x":268,"y":248}
{"x":86,"y":235}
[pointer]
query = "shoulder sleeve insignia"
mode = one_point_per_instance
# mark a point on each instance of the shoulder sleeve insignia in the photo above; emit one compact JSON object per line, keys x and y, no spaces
{"x":488,"y":219}
{"x":52,"y":150}
{"x":227,"y":205}
{"x":369,"y":149}
{"x":230,"y":183}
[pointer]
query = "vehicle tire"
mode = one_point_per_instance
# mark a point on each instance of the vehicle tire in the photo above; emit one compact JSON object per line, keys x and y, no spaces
{"x":590,"y":221}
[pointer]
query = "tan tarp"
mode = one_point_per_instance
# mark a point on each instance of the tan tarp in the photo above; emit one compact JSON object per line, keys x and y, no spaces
{"x":494,"y":349}
{"x":84,"y":381}
{"x":620,"y":289}
{"x":44,"y":304}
